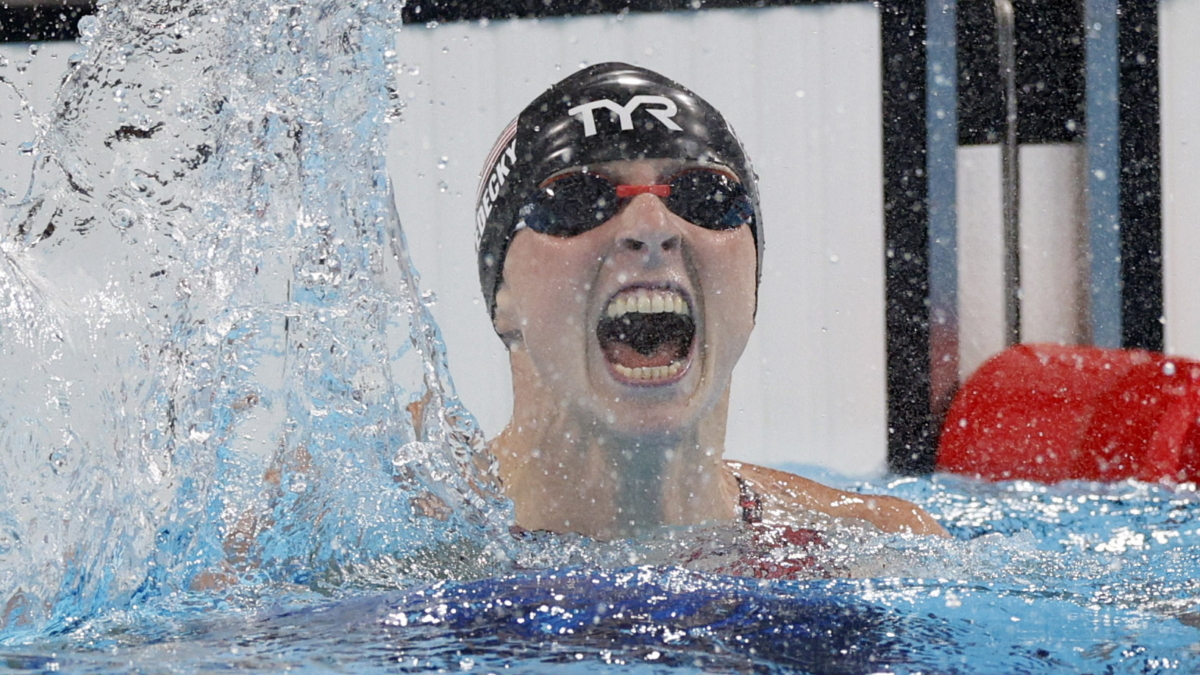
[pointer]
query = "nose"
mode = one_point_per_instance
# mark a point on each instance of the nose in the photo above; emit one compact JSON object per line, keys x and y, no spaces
{"x":647,"y":227}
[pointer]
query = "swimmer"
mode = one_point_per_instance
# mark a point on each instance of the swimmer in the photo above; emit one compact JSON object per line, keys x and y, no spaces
{"x":620,"y":249}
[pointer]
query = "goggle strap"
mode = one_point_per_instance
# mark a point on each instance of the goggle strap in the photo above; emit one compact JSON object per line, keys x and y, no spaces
{"x":627,"y":191}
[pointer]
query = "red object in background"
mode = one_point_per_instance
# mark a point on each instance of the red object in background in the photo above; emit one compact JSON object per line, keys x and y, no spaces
{"x":1050,"y":413}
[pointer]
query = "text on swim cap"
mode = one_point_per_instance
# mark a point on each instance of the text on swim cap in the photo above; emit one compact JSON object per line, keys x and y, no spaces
{"x":587,"y":112}
{"x":504,"y":164}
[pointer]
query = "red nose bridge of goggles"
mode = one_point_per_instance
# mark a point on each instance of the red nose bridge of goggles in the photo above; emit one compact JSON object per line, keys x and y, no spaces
{"x":627,"y":191}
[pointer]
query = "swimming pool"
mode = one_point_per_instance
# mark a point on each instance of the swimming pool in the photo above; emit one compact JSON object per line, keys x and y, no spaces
{"x":1072,"y":578}
{"x":231,"y":439}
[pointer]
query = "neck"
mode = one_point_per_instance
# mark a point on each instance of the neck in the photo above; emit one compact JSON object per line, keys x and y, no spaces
{"x":566,"y":472}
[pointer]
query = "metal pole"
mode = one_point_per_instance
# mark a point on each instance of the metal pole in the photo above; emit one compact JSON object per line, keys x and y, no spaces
{"x":1103,"y":168}
{"x":1010,"y":171}
{"x":941,"y":129}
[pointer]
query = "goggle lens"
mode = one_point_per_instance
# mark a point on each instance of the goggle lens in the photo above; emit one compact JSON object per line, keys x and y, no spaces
{"x":578,"y":202}
{"x":710,"y":199}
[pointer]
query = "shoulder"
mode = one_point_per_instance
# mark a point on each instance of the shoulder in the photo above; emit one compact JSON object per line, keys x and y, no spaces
{"x":780,"y":489}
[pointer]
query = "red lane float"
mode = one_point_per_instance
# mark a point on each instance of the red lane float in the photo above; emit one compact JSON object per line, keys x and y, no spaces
{"x":1050,"y":413}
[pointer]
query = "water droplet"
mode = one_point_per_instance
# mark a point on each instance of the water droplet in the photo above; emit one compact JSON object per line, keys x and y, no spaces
{"x":159,"y":44}
{"x":833,"y":258}
{"x":123,"y":219}
{"x":443,"y":186}
{"x":58,"y":460}
{"x":445,"y":50}
{"x":26,"y":148}
{"x":33,"y":49}
{"x":154,"y":97}
{"x":87,"y":27}
{"x":414,"y":70}
{"x":9,"y":536}
{"x":1100,"y":174}
{"x":443,"y":162}
{"x":1168,"y":368}
{"x":429,"y":298}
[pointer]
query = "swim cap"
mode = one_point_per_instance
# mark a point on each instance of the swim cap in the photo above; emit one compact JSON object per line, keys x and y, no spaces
{"x":607,"y":112}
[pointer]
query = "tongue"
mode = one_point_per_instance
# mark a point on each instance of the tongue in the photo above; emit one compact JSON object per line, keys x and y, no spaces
{"x":625,"y":355}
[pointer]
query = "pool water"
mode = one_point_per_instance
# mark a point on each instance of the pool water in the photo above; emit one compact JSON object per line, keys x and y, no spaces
{"x":1081,"y":578}
{"x":230,"y":437}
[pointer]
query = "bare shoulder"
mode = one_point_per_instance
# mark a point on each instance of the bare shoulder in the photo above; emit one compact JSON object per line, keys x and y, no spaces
{"x":789,"y":491}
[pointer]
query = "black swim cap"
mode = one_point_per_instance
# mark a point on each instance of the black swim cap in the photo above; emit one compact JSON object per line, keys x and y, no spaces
{"x":604,"y":113}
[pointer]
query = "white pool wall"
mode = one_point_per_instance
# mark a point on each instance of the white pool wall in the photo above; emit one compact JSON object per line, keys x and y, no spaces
{"x":1179,"y":52}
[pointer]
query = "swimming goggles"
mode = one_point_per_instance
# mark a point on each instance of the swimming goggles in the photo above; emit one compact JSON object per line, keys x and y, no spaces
{"x":574,"y":203}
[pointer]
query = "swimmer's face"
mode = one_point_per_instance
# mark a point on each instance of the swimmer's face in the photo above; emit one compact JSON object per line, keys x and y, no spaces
{"x":635,"y":324}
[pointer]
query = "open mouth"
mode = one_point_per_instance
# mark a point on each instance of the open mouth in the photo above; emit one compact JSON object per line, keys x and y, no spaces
{"x":647,"y":335}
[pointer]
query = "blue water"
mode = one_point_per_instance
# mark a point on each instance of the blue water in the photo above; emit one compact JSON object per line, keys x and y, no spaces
{"x":1081,"y":578}
{"x":230,"y":437}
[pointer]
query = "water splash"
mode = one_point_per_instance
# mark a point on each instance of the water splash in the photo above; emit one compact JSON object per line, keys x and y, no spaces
{"x":216,"y":365}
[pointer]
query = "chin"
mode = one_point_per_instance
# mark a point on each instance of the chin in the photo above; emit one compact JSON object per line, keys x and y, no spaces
{"x":641,"y":416}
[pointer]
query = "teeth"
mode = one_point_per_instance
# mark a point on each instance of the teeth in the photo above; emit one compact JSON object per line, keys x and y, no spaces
{"x":647,"y":301}
{"x":651,"y":373}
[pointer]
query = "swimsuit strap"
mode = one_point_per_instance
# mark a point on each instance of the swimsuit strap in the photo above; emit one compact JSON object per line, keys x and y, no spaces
{"x":749,"y":501}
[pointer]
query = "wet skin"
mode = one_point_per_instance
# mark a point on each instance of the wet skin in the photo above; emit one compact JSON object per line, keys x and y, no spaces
{"x":590,"y":449}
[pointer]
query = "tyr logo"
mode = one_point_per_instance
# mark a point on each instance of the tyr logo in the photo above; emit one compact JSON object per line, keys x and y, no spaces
{"x":587,"y":112}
